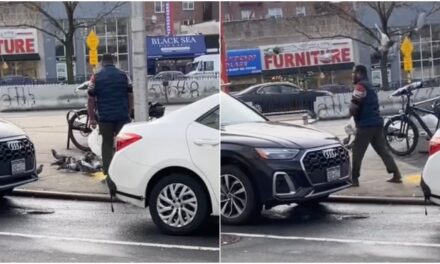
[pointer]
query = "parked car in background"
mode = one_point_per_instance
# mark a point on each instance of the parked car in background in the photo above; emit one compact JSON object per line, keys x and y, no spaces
{"x":430,"y":177}
{"x":17,"y":158}
{"x":279,"y":97}
{"x":272,"y":163}
{"x":169,"y":75}
{"x":336,"y":88}
{"x":172,"y":165}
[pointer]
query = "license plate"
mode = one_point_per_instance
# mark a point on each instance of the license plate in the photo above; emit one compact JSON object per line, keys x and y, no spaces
{"x":18,"y":166}
{"x":333,"y":173}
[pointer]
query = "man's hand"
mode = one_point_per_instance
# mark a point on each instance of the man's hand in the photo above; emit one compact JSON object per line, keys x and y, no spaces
{"x":93,"y":123}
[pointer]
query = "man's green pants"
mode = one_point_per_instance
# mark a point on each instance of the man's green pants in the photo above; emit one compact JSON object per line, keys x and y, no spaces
{"x":108,"y":132}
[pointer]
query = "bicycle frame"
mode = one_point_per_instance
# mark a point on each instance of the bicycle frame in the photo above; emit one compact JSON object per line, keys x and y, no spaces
{"x":412,"y":110}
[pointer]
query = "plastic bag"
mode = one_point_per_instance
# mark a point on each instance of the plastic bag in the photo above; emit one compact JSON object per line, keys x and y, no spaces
{"x":95,"y":142}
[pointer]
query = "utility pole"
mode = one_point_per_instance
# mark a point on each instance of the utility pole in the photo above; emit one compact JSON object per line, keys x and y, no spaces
{"x":139,"y":55}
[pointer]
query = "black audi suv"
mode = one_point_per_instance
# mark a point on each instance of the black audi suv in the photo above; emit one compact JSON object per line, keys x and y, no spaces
{"x":272,"y":163}
{"x":17,"y":158}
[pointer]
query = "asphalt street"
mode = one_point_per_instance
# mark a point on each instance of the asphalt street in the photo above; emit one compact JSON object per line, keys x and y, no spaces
{"x":336,"y":233}
{"x":44,"y":230}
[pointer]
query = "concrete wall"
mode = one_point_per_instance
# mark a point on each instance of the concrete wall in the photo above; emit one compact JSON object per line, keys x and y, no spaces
{"x":40,"y":97}
{"x":337,"y":106}
{"x":184,"y":90}
{"x":58,"y":96}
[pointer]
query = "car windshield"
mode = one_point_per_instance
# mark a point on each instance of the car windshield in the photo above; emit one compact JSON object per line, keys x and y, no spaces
{"x":235,"y":112}
{"x":247,"y":89}
{"x":194,"y":66}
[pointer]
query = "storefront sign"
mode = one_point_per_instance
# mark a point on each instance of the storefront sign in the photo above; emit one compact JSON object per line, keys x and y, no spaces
{"x":305,"y":54}
{"x":169,"y":19}
{"x":18,"y":41}
{"x":243,"y":62}
{"x":158,"y":47}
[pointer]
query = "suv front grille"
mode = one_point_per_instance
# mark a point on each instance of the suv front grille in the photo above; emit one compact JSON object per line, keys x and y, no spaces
{"x":7,"y":155}
{"x":316,"y":164}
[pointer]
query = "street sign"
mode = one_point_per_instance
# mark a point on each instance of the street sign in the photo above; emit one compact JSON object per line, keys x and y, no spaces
{"x":407,"y":47}
{"x":92,"y":41}
{"x":407,"y":64}
{"x":93,"y":57}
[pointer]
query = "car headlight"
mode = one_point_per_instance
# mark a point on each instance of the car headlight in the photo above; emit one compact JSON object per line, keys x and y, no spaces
{"x":277,"y":153}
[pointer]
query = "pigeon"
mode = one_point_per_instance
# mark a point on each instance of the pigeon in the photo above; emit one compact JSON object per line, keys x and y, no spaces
{"x":40,"y":169}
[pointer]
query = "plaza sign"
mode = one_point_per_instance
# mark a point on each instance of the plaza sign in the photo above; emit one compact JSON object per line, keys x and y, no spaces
{"x":306,"y":54}
{"x":243,"y":62}
{"x":18,"y":41}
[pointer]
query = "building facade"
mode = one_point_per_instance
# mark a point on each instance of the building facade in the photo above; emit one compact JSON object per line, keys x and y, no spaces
{"x":272,"y":25}
{"x":21,"y":49}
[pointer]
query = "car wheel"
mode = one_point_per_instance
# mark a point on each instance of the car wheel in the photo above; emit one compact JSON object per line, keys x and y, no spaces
{"x":179,"y":204}
{"x":238,"y":201}
{"x":313,"y":202}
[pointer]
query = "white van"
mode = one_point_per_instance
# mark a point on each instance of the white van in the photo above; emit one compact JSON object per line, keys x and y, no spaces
{"x":205,"y":64}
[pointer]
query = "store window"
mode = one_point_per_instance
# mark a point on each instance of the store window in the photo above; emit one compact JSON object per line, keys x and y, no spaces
{"x":188,"y":5}
{"x":159,"y":7}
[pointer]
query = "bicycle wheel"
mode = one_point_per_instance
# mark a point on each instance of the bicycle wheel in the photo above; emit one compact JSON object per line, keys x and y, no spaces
{"x":80,"y":131}
{"x":401,"y":135}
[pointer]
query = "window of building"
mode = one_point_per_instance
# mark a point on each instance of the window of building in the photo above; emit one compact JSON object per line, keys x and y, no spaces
{"x":113,"y":39}
{"x":246,"y":14}
{"x":275,"y":12}
{"x":228,"y":17}
{"x":159,"y":7}
{"x":300,"y":11}
{"x":188,"y":5}
{"x":188,"y":22}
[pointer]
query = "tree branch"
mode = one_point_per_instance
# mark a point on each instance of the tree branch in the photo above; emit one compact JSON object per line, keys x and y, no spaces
{"x":100,"y":16}
{"x":38,"y":8}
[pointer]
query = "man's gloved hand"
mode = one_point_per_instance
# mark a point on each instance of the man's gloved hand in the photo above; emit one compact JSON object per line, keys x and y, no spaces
{"x":93,"y":123}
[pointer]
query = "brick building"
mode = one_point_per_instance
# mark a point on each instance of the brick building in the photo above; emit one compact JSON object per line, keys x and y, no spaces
{"x":185,"y":13}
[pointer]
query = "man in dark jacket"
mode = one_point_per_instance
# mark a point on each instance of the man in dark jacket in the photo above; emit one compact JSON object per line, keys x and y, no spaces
{"x":111,"y":97}
{"x":369,"y":126}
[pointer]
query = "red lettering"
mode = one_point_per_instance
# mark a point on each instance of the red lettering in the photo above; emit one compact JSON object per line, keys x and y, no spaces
{"x":336,"y":57}
{"x":1,"y":46}
{"x":299,"y":59}
{"x":315,"y":56}
{"x":30,"y":45}
{"x":19,"y":46}
{"x":9,"y":46}
{"x":308,"y":58}
{"x":289,"y":60}
{"x":268,"y":59}
{"x":278,"y":61}
{"x":345,"y":55}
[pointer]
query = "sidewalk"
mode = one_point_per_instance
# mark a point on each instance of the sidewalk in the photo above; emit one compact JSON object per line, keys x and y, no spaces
{"x":373,"y":173}
{"x":48,"y":130}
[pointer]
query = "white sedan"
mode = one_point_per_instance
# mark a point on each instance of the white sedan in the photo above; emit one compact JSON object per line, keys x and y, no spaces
{"x":172,"y":165}
{"x":431,"y":173}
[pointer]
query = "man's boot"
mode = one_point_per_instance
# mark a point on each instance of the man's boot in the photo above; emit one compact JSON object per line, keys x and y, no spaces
{"x":397,"y":178}
{"x":355,"y":182}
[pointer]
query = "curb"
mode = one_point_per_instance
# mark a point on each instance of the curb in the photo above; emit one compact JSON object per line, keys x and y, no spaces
{"x":378,"y":200}
{"x":91,"y":197}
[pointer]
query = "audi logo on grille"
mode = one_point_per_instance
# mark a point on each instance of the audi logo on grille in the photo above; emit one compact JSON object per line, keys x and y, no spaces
{"x":15,"y":145}
{"x":329,"y":153}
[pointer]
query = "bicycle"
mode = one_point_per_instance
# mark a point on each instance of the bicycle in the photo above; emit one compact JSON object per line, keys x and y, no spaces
{"x":78,"y":121}
{"x":401,"y":132}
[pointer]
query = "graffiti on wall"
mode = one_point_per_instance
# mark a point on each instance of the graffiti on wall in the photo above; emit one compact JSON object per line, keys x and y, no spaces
{"x":16,"y":96}
{"x":184,"y":89}
{"x":337,"y":105}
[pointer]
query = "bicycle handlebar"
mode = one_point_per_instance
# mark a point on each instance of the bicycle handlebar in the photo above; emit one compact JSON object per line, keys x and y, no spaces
{"x":406,"y":90}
